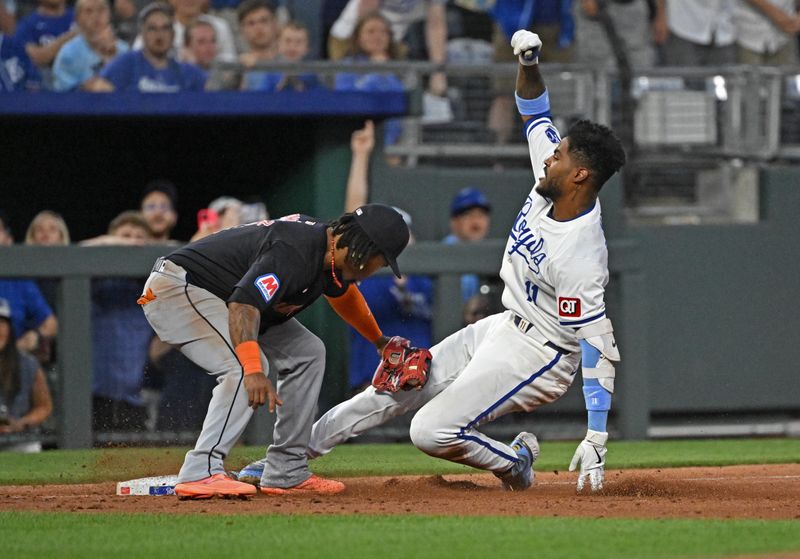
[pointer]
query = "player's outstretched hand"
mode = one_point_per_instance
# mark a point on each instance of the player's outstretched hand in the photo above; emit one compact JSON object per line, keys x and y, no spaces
{"x":591,"y":457}
{"x":527,"y":45}
{"x":260,"y":391}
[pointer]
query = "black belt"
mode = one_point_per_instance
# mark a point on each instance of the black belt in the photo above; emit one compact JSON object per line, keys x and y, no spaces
{"x":525,"y":327}
{"x":159,"y":265}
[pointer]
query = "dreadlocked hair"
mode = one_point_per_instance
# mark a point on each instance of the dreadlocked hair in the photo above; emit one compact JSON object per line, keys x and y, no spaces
{"x":361,"y":248}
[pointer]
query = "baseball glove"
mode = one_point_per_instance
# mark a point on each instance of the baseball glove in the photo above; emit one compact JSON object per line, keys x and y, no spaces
{"x":402,"y":367}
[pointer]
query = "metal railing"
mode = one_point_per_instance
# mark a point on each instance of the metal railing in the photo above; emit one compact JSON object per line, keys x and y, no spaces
{"x":76,"y":266}
{"x":749,"y":112}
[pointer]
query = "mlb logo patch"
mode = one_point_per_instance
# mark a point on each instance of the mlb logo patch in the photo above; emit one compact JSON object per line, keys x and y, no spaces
{"x":569,"y":307}
{"x":268,"y":285}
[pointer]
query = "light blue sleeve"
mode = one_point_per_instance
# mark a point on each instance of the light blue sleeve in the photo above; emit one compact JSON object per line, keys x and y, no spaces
{"x":597,"y":398}
{"x":66,"y":69}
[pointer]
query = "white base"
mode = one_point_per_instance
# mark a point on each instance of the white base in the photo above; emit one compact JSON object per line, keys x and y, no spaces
{"x":157,"y":486}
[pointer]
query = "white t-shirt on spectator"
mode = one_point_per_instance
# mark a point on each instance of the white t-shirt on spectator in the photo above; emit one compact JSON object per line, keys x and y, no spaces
{"x":756,"y":32}
{"x":702,"y":21}
{"x":400,"y":13}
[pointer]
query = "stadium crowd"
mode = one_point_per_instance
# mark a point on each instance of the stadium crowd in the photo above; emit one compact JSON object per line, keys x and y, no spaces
{"x":127,"y":45}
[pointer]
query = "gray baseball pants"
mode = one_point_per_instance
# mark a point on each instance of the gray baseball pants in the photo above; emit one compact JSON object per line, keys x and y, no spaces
{"x":196,"y":321}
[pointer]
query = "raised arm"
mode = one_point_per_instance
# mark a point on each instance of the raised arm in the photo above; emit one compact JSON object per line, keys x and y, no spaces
{"x":531,"y":93}
{"x":243,"y":324}
{"x":533,"y":101}
{"x":361,"y":144}
{"x":43,"y":55}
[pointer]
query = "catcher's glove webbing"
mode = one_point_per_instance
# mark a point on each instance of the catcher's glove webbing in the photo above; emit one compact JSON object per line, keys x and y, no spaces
{"x":402,"y":367}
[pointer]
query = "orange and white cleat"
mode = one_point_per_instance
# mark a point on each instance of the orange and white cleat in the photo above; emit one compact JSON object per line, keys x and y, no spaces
{"x":218,"y":485}
{"x":314,"y":485}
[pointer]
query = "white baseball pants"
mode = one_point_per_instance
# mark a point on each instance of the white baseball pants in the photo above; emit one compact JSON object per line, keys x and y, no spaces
{"x":478,"y":374}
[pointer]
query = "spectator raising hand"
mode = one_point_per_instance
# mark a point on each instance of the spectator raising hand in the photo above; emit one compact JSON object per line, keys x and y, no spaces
{"x":362,"y":143}
{"x":363,"y":140}
{"x":402,"y":305}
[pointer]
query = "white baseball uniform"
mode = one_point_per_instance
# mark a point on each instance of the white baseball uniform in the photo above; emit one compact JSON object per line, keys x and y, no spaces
{"x":554,"y":274}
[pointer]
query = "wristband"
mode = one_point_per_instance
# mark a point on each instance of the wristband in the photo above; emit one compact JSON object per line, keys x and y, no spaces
{"x":531,"y":107}
{"x":249,"y":355}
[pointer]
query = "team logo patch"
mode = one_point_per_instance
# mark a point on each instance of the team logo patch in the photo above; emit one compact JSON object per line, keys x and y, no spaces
{"x":569,"y":307}
{"x":552,"y":135}
{"x":268,"y":285}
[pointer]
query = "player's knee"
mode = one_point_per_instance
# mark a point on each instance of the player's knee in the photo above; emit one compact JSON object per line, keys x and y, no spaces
{"x":430,"y":436}
{"x":312,"y":355}
{"x":316,"y":349}
{"x":423,"y":437}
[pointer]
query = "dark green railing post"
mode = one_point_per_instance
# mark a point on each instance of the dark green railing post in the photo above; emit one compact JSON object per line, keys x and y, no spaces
{"x":75,"y":363}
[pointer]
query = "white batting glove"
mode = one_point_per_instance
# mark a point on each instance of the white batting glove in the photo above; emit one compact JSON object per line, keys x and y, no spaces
{"x":591,"y":455}
{"x":527,"y":45}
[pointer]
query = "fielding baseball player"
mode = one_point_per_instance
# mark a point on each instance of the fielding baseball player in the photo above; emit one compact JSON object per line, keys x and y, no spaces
{"x":555,"y":272}
{"x":228,"y":302}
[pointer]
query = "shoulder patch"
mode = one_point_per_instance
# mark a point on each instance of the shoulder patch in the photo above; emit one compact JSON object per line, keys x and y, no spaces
{"x":569,"y":307}
{"x":268,"y":285}
{"x":552,"y":135}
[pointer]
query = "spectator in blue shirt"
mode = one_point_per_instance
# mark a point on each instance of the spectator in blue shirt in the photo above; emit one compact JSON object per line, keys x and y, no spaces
{"x":372,"y":42}
{"x":17,"y":72}
{"x":80,"y":60}
{"x":33,"y":320}
{"x":470,"y":217}
{"x":153,"y":69}
{"x":46,"y":30}
{"x":293,"y":44}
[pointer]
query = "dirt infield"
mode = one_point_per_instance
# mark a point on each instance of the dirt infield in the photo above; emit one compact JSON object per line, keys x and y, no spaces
{"x":765,"y":492}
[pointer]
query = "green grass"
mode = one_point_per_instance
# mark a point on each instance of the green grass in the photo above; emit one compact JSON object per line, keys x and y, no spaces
{"x":153,"y":536}
{"x":380,"y":459}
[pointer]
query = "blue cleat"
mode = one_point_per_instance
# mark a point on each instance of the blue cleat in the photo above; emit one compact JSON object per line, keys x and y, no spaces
{"x":251,"y":473}
{"x":521,"y":476}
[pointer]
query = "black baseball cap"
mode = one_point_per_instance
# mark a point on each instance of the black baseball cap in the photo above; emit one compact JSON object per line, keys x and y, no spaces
{"x":386,"y":228}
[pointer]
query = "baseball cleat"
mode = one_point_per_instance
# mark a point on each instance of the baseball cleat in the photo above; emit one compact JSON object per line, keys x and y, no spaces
{"x":314,"y":485}
{"x":521,"y":476}
{"x":218,"y":485}
{"x":251,"y":473}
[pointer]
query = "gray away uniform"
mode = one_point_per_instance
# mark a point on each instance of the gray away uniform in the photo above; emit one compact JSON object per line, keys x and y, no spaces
{"x":277,"y":267}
